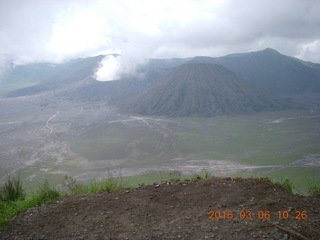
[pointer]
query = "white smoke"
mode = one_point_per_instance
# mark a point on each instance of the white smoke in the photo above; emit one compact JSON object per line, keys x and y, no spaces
{"x":109,"y":69}
{"x":116,"y":66}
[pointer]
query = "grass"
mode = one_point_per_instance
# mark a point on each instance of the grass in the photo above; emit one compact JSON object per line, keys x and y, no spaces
{"x":148,"y":178}
{"x":313,"y":188}
{"x":204,"y":174}
{"x":45,"y":194}
{"x":14,"y":199}
{"x":12,"y":190}
{"x":286,"y":184}
{"x":301,"y":177}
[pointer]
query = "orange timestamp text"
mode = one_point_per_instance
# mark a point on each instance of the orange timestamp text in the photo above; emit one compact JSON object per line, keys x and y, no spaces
{"x":258,"y":215}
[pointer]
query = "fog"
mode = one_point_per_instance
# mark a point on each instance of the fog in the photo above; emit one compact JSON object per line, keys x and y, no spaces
{"x":55,"y":31}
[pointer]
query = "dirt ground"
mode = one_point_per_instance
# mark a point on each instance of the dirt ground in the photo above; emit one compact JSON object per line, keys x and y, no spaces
{"x":242,"y":209}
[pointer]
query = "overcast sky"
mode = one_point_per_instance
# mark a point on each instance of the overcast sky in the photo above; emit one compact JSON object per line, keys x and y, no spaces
{"x":57,"y":30}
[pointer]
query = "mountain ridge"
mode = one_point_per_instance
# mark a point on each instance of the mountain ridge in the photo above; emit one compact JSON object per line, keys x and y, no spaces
{"x":202,"y":90}
{"x":267,"y":72}
{"x":270,"y":70}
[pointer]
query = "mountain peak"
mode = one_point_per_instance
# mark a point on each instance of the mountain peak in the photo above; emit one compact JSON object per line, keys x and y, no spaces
{"x":270,"y":51}
{"x":202,"y":90}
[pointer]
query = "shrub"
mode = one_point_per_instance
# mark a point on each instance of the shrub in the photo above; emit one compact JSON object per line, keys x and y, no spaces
{"x":313,"y":189}
{"x":196,"y":177}
{"x":45,"y":194}
{"x":12,"y":190}
{"x":93,"y":187}
{"x":175,"y":179}
{"x":206,"y":173}
{"x":265,"y":178}
{"x":110,"y":184}
{"x":72,"y":186}
{"x":286,"y":184}
{"x":7,"y":211}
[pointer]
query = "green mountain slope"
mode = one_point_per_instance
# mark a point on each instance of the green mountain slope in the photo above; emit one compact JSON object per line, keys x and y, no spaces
{"x":202,"y":90}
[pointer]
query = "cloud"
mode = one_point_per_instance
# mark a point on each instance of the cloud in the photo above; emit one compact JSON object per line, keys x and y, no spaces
{"x":108,"y":69}
{"x":53,"y":31}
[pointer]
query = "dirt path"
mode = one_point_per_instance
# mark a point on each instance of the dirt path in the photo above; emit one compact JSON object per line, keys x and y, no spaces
{"x":176,"y":211}
{"x":50,"y":128}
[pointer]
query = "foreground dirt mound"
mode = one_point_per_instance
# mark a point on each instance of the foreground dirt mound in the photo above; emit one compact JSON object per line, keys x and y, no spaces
{"x":241,"y":209}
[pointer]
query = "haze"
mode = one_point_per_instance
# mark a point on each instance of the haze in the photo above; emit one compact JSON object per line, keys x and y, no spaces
{"x":54,"y":31}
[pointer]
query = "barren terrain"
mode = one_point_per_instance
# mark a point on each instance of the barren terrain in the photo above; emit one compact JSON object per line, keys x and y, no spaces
{"x":243,"y":209}
{"x":46,"y":137}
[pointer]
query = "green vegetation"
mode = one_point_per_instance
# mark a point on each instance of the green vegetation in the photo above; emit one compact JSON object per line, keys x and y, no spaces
{"x":313,"y":188}
{"x":12,"y":190}
{"x":302,"y":178}
{"x":286,"y":184}
{"x":205,"y":174}
{"x":44,"y":195}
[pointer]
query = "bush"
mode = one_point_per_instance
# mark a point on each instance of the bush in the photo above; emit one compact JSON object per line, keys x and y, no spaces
{"x":313,"y":189}
{"x":175,"y":179}
{"x":196,"y":177}
{"x":45,"y":194}
{"x":206,"y":173}
{"x":286,"y":184}
{"x":12,"y":190}
{"x":7,"y":211}
{"x":72,"y":186}
{"x":108,"y":184}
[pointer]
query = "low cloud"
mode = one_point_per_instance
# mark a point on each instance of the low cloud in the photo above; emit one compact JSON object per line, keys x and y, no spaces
{"x":115,"y":66}
{"x":109,"y":69}
{"x":54,"y":31}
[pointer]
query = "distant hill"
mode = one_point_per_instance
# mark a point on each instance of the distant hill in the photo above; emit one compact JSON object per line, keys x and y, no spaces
{"x":59,"y":75}
{"x":29,"y":74}
{"x":75,"y":80}
{"x":202,"y":90}
{"x":188,"y":86}
{"x":113,"y":91}
{"x":272,"y":71}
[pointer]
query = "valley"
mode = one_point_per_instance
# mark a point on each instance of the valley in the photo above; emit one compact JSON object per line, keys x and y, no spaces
{"x":44,"y":138}
{"x":160,"y":119}
{"x":173,"y":116}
